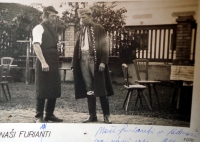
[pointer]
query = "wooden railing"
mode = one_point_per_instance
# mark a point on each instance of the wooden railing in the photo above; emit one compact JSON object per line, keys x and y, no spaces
{"x":154,"y":42}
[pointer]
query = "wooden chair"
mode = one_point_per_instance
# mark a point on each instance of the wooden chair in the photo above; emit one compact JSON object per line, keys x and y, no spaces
{"x":141,"y":66}
{"x":130,"y":88}
{"x":7,"y":61}
{"x":4,"y":72}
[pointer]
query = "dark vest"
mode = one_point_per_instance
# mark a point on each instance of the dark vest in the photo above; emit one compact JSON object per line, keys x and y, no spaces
{"x":49,"y":38}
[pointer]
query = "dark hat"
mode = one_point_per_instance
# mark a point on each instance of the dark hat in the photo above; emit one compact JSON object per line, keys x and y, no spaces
{"x":50,"y":8}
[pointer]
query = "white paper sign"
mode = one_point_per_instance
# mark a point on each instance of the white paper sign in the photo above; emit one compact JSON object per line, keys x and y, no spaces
{"x":49,"y":132}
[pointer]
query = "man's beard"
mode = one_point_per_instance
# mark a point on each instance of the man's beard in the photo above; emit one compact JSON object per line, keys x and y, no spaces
{"x":52,"y":24}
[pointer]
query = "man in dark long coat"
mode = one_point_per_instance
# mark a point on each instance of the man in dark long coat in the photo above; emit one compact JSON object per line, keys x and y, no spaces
{"x":90,"y":66}
{"x":48,"y":84}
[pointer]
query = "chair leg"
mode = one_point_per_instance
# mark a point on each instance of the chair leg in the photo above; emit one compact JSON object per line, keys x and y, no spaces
{"x":145,"y":97}
{"x":129,"y":97}
{"x":180,"y":85}
{"x":149,"y":89}
{"x":154,"y":87}
{"x":8,"y":90}
{"x":4,"y":92}
{"x":174,"y":93}
{"x":139,"y":95}
{"x":178,"y":100}
{"x":125,"y":100}
{"x":136,"y":100}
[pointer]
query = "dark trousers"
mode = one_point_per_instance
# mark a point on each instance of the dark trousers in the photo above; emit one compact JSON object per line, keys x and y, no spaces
{"x":49,"y":107}
{"x":92,"y":105}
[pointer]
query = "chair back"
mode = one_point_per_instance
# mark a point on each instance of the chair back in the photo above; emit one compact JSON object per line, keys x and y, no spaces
{"x":125,"y":74}
{"x":141,"y":67}
{"x":7,"y":60}
{"x":4,"y":70}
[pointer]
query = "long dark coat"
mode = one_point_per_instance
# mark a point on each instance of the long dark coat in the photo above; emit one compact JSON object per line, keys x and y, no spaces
{"x":48,"y":84}
{"x":99,"y":49}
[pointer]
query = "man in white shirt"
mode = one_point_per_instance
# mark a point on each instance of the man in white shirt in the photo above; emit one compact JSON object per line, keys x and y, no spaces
{"x":47,"y":83}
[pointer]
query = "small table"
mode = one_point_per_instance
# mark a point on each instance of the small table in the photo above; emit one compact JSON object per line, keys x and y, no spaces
{"x":179,"y":75}
{"x":64,"y":69}
{"x":9,"y":65}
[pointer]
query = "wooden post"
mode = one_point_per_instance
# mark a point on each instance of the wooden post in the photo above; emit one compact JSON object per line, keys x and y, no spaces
{"x":27,"y":63}
{"x":27,"y":59}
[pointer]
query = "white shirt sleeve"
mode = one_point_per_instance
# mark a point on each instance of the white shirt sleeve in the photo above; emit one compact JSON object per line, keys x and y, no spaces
{"x":37,"y":34}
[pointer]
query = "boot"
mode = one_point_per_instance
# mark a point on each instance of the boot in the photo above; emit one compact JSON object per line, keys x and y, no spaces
{"x":39,"y":120}
{"x":90,"y":119}
{"x":39,"y":111}
{"x":52,"y":117}
{"x":92,"y":109}
{"x":107,"y":119}
{"x":50,"y":106}
{"x":106,"y":109}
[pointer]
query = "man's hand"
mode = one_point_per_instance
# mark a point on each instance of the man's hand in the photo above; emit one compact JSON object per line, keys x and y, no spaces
{"x":102,"y":67}
{"x":45,"y":67}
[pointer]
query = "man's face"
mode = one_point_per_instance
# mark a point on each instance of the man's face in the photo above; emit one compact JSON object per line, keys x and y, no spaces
{"x":52,"y":17}
{"x":85,"y":19}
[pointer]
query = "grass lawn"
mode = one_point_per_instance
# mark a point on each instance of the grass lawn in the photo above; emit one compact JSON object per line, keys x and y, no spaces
{"x":23,"y":97}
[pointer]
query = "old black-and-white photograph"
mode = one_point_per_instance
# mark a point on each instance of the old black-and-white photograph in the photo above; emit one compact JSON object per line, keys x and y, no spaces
{"x":122,"y":62}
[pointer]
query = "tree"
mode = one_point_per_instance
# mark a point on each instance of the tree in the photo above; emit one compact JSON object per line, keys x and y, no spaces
{"x":70,"y":15}
{"x":108,"y":16}
{"x":103,"y":13}
{"x":23,"y":25}
{"x":18,"y":29}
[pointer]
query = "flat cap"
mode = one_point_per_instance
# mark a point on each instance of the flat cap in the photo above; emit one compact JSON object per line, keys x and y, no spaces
{"x":83,"y":11}
{"x":50,"y":8}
